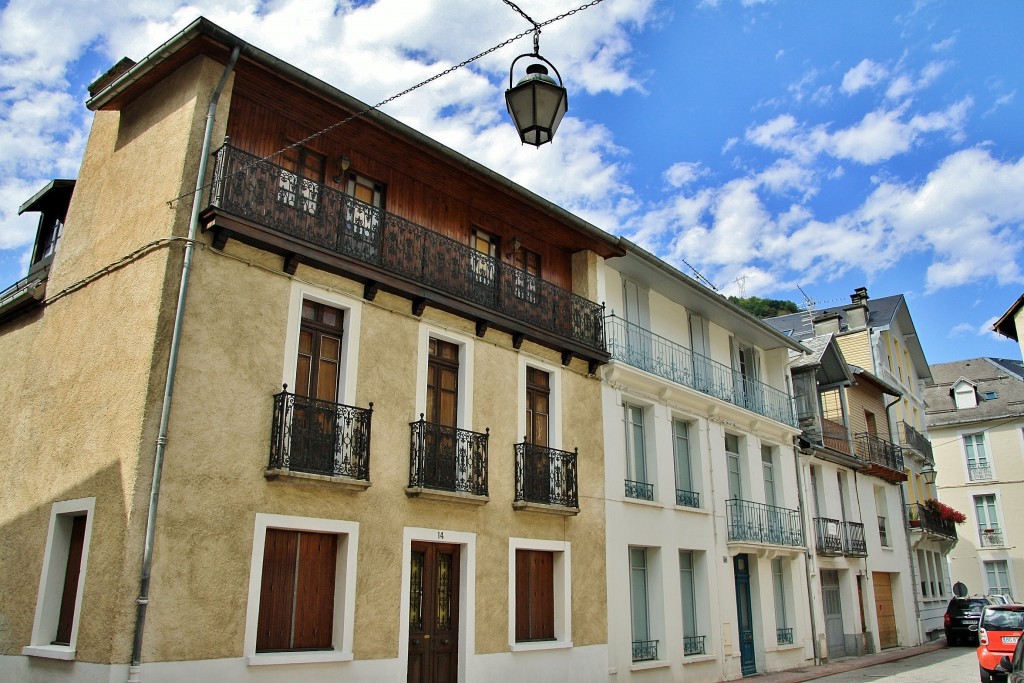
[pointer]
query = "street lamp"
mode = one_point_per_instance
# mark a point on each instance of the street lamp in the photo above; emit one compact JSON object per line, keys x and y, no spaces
{"x":928,"y":472}
{"x":537,"y":102}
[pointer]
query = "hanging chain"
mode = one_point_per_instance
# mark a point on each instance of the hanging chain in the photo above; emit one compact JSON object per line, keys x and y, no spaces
{"x":338,"y":124}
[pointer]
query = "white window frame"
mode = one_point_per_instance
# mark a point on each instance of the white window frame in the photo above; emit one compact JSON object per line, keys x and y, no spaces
{"x":650,"y":473}
{"x":554,"y":400}
{"x":993,"y":590}
{"x":352,"y":309}
{"x":693,"y":444}
{"x":344,"y":589}
{"x":779,"y":580}
{"x":562,"y":580}
{"x":998,"y":526}
{"x":464,"y":412}
{"x":701,"y":607}
{"x":51,"y":579}
{"x":989,"y":461}
{"x":738,"y":457}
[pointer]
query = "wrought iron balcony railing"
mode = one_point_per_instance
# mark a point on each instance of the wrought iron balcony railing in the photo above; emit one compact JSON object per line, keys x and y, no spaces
{"x":641,"y":348}
{"x":693,"y":645}
{"x":991,"y":538}
{"x":639,"y":489}
{"x":760,"y":523}
{"x":979,"y":472}
{"x":835,"y":436}
{"x":911,"y":438}
{"x":645,"y":650}
{"x":920,"y":517}
{"x":875,"y":449}
{"x":855,"y":543}
{"x":829,"y":535}
{"x":784,"y":636}
{"x":883,"y":531}
{"x":448,"y":459}
{"x":271,"y":196}
{"x":690,"y":499}
{"x":320,"y":437}
{"x":546,"y":475}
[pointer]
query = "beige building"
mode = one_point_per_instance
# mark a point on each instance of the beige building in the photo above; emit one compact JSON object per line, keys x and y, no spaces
{"x":974,"y":417}
{"x":878,"y":335}
{"x":355,"y":369}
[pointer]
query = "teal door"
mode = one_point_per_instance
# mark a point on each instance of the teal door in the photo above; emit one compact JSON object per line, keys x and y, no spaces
{"x":744,"y":618}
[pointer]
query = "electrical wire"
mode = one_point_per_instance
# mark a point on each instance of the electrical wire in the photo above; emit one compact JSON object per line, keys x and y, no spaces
{"x":338,"y":124}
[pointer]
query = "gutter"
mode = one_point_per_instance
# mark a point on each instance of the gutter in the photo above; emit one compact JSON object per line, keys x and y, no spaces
{"x":135,"y":668}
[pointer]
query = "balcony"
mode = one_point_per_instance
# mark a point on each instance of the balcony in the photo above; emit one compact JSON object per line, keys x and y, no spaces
{"x":784,"y":636}
{"x":645,"y":650}
{"x":991,"y":538}
{"x":761,"y":523}
{"x":641,"y":348}
{"x":264,"y":204}
{"x":884,"y":460}
{"x":978,"y":472}
{"x":828,"y":535}
{"x":835,"y":436}
{"x":640,"y":490}
{"x":922,"y":519}
{"x":693,"y":645}
{"x":855,"y":543}
{"x":689,"y":499}
{"x":320,"y":438}
{"x":913,"y":439}
{"x":545,"y":476}
{"x":447,"y":459}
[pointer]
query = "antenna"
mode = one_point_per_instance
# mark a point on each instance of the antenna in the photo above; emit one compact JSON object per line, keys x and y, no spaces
{"x":808,"y":317}
{"x":741,"y":284}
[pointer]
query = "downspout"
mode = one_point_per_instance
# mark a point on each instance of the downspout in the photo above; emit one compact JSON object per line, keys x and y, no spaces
{"x":135,"y":669}
{"x":807,"y":555}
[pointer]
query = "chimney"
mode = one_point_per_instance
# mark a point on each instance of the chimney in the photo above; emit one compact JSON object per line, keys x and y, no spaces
{"x":856,"y":316}
{"x":860,"y":295}
{"x":826,"y":324}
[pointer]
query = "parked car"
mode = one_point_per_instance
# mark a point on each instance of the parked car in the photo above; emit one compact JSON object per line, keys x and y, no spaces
{"x":1013,"y":667}
{"x":998,"y":634}
{"x":961,"y":620}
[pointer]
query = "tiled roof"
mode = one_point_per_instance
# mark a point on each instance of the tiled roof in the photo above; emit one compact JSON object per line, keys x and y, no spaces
{"x":1001,"y":378}
{"x":881,"y":311}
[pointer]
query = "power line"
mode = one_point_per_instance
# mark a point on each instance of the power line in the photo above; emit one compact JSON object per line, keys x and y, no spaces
{"x":338,"y":124}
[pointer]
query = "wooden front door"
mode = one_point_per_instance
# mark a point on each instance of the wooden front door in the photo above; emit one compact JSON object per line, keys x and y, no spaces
{"x":434,"y":613}
{"x":744,"y":615}
{"x":884,"y":610}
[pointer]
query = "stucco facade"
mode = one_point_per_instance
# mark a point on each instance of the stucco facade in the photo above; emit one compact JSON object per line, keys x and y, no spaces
{"x":88,"y":367}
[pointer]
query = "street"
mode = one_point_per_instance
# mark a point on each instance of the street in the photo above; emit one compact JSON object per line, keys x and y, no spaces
{"x":950,"y":665}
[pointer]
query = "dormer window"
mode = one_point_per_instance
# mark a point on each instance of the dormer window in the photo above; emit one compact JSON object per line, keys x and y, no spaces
{"x":52,"y":203}
{"x":964,"y":394}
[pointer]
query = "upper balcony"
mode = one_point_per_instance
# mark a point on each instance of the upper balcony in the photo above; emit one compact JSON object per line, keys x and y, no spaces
{"x":835,"y":436}
{"x":546,"y":479}
{"x":834,"y":537}
{"x":263,"y":204}
{"x":884,"y":459}
{"x":641,"y":348}
{"x":447,"y":459}
{"x":761,"y":523}
{"x":915,"y":440}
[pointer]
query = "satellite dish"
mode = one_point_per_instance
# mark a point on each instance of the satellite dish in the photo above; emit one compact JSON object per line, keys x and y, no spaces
{"x":960,"y":589}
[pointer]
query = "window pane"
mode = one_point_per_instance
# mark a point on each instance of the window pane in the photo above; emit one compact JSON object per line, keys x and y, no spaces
{"x":638,"y":593}
{"x":682,"y":452}
{"x":686,"y":584}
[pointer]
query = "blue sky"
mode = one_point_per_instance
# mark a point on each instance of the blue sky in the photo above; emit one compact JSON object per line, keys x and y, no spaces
{"x":770,"y":145}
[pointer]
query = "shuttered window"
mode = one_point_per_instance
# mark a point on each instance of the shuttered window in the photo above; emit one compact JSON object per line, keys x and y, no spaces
{"x":69,"y":594}
{"x":535,"y":595}
{"x":297,"y":593}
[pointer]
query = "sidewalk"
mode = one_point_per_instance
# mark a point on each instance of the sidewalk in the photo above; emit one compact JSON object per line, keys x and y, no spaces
{"x":809,"y":673}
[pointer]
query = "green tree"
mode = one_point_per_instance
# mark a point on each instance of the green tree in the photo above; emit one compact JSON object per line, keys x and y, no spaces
{"x":765,"y":308}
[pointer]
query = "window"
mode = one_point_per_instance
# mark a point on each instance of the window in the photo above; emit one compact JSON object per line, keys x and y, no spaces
{"x":539,"y":594}
{"x":318,"y":367}
{"x":869,"y":421}
{"x":686,"y":493}
{"x":535,"y":608}
{"x":538,"y":399}
{"x":62,"y":582}
{"x":302,"y":176}
{"x":694,"y":640}
{"x":644,"y":646}
{"x":637,"y":482}
{"x":700,"y":344}
{"x":746,"y":373}
{"x":964,"y":395}
{"x":988,"y":520}
{"x":923,"y":572}
{"x":442,"y":383}
{"x":732,"y":463}
{"x":301,"y":583}
{"x":769,"y":475}
{"x":363,"y":216}
{"x":526,"y":277}
{"x":882,"y":509}
{"x":978,"y":467}
{"x":784,"y":633}
{"x":485,"y":259}
{"x":997,"y":574}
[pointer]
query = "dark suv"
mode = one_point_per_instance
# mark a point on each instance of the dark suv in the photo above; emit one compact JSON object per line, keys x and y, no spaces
{"x":962,"y":617}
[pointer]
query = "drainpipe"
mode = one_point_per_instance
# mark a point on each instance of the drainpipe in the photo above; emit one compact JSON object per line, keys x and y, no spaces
{"x":807,"y":556}
{"x":135,"y":669}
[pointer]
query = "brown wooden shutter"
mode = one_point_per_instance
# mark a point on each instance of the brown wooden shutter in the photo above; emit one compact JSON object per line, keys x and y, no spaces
{"x":275,"y":615}
{"x":66,"y":615}
{"x":535,"y":595}
{"x":314,"y":595}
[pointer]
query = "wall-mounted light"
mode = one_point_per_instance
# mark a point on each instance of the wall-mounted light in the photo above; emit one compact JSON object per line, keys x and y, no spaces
{"x":929,"y":473}
{"x":516,"y":245}
{"x":537,"y":103}
{"x":343,"y":163}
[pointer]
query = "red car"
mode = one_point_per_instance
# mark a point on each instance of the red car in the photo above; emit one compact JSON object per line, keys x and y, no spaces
{"x":999,"y":630}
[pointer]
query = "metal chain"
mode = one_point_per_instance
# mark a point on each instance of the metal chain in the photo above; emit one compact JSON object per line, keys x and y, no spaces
{"x":339,"y":124}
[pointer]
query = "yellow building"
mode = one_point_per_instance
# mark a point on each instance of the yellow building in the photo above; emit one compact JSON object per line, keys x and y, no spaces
{"x":355,"y":369}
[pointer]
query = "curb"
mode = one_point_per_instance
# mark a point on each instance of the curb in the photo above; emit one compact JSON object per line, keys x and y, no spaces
{"x":848,"y":664}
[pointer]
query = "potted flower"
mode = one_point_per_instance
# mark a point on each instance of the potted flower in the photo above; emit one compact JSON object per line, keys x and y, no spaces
{"x":944,"y":512}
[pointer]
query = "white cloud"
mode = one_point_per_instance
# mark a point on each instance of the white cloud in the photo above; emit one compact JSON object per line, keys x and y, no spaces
{"x":865,"y":75}
{"x":684,"y":173}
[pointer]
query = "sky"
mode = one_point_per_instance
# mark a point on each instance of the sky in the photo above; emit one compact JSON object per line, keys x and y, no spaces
{"x":790,"y":150}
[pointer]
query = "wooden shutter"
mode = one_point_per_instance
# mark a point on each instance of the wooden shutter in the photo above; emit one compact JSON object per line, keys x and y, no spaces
{"x":66,"y":615}
{"x":535,"y":595}
{"x":275,"y":615}
{"x":443,"y":383}
{"x":314,"y":591}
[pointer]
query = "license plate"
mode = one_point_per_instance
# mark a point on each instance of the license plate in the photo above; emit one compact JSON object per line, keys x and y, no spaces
{"x":1010,"y":640}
